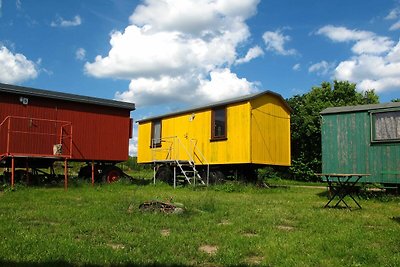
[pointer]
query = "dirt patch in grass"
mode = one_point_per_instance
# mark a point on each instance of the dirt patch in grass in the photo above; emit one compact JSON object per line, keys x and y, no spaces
{"x":116,"y":246}
{"x":286,"y":228}
{"x":254,"y":260}
{"x":209,"y":249}
{"x":42,"y":222}
{"x":225,"y":222}
{"x":130,"y":208}
{"x":205,"y":264}
{"x":165,"y":232}
{"x":250,"y":234}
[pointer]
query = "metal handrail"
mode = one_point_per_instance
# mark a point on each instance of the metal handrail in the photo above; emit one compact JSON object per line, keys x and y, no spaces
{"x":38,"y":119}
{"x":203,"y":161}
{"x":155,"y":148}
{"x":174,"y":148}
{"x":10,"y":131}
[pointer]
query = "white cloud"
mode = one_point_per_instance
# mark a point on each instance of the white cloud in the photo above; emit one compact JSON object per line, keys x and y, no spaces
{"x":321,"y":68}
{"x":395,"y":26}
{"x":228,"y":84}
{"x":275,"y":42}
{"x":371,"y":72}
{"x":147,"y":91}
{"x":296,"y":67}
{"x":60,"y":22}
{"x":221,"y":84}
{"x":133,"y":144}
{"x":253,"y":53}
{"x":191,"y":17}
{"x":365,"y":41}
{"x":18,"y":4}
{"x":374,"y":45}
{"x":15,"y":68}
{"x":342,"y":34}
{"x":170,"y":54}
{"x":80,"y":53}
{"x":375,"y":63}
{"x":393,"y":14}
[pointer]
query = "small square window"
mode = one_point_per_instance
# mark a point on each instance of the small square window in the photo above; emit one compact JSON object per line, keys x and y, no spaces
{"x":385,"y":126}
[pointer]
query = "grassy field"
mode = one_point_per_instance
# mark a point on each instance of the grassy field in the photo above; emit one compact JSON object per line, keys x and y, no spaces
{"x":226,"y":225}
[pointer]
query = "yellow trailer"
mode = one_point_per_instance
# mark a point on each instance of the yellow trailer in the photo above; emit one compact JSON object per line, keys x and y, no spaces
{"x":209,"y":142}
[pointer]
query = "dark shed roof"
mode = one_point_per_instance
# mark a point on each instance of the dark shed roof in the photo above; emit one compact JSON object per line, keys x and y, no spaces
{"x":27,"y":91}
{"x":348,"y":109}
{"x":219,"y":103}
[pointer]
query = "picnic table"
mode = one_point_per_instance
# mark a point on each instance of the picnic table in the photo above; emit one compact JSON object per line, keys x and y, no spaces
{"x":341,"y":185}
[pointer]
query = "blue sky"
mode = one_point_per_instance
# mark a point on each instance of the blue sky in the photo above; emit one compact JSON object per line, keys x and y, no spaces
{"x":170,"y":54}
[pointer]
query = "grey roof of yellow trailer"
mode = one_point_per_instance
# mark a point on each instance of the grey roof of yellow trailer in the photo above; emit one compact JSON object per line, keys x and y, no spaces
{"x":27,"y":91}
{"x":359,"y":108}
{"x":217,"y":104}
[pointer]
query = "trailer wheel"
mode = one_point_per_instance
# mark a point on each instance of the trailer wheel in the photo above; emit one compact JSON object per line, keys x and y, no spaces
{"x":112,"y":174}
{"x":21,"y":176}
{"x":165,"y":174}
{"x":216,"y":177}
{"x":86,"y":171}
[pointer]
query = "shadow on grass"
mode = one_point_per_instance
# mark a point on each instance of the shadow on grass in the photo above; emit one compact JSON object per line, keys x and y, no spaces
{"x":140,"y":181}
{"x":381,"y":195}
{"x":67,"y":264}
{"x":323,"y":194}
{"x":396,"y":219}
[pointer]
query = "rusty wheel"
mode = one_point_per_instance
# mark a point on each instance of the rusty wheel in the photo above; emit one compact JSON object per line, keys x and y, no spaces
{"x":216,"y":177}
{"x":165,"y":174}
{"x":112,"y":174}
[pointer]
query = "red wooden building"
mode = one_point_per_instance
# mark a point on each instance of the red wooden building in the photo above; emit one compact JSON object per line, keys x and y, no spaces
{"x":39,"y":127}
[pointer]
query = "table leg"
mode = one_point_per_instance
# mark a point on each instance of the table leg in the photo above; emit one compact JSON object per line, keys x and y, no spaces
{"x":341,"y":190}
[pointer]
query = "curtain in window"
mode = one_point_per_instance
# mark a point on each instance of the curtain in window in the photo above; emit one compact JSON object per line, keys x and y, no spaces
{"x":387,"y":125}
{"x":156,"y":133}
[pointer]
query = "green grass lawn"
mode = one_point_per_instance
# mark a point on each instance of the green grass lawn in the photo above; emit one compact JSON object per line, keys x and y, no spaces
{"x":226,"y":225}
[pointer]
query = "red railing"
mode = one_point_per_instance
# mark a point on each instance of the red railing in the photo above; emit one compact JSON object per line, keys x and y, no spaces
{"x":34,"y":137}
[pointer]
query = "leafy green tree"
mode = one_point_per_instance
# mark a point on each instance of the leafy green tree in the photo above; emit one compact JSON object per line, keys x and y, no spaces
{"x":306,"y":122}
{"x":396,"y":100}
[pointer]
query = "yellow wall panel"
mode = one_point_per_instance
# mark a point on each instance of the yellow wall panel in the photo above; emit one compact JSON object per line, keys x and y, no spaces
{"x":144,"y":136}
{"x":270,"y":131}
{"x":195,"y":128}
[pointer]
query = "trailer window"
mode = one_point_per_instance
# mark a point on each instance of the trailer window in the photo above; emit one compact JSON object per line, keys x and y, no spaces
{"x":218,"y":124}
{"x":156,"y":134}
{"x":386,"y":126}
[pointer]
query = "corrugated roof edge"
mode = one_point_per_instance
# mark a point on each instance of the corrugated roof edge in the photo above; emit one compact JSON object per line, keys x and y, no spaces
{"x":219,"y":103}
{"x":347,"y":109}
{"x":64,"y":96}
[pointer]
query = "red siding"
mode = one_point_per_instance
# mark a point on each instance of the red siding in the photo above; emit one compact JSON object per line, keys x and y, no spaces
{"x":98,"y":132}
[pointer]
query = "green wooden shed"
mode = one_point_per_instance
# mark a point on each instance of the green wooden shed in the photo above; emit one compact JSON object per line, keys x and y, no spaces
{"x":362,"y":139}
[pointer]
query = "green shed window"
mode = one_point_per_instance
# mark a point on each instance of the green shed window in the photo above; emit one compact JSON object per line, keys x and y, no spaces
{"x":218,"y":124}
{"x":386,"y":126}
{"x":155,"y":133}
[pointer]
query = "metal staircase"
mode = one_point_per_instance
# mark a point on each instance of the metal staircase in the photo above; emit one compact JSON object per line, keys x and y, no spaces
{"x":175,"y":153}
{"x":189,"y":171}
